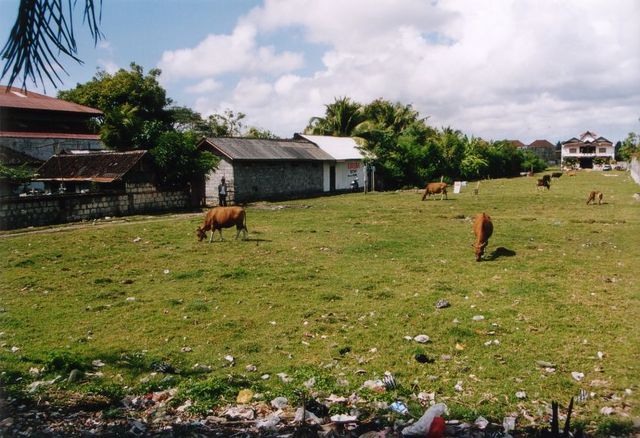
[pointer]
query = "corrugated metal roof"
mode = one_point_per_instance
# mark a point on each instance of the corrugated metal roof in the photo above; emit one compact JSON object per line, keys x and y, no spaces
{"x":96,"y":166}
{"x":340,"y":148}
{"x":266,"y":149}
{"x":17,"y":98}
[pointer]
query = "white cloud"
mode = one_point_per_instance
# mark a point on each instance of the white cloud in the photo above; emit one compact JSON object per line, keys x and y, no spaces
{"x":108,"y":65}
{"x":206,"y":86}
{"x":500,"y":69}
{"x":218,"y":54}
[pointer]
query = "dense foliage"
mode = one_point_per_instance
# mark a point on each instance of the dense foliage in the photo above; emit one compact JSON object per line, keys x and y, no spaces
{"x":409,"y":152}
{"x":629,"y":147}
{"x":16,"y":174}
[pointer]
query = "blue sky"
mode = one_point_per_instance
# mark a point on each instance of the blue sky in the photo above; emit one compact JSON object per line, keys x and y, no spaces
{"x":516,"y":69}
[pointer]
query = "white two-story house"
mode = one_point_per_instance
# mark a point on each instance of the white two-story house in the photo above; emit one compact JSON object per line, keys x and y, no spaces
{"x":581,"y":152}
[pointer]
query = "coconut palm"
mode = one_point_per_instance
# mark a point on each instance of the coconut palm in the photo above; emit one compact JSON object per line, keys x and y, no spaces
{"x":42,"y":28}
{"x":342,"y":119}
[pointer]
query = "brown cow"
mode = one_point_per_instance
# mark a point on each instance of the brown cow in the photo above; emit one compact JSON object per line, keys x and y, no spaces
{"x":223,"y":217}
{"x":434,"y":188}
{"x":543,"y":183}
{"x":595,"y":195}
{"x":483,"y":229}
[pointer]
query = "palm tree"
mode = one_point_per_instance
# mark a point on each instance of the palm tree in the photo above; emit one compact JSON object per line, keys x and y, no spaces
{"x":342,"y":119}
{"x":42,"y":28}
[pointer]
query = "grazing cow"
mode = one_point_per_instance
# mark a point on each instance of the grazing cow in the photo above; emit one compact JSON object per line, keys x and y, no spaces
{"x":434,"y":188}
{"x":483,"y":229}
{"x":556,"y":174}
{"x":543,"y":183}
{"x":595,"y":195}
{"x":547,"y":178}
{"x":223,"y":217}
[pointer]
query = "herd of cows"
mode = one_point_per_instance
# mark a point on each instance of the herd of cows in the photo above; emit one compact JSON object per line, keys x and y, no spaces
{"x":226,"y":217}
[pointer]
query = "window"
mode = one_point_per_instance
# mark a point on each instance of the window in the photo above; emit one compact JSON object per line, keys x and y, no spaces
{"x":572,"y":150}
{"x":602,"y":150}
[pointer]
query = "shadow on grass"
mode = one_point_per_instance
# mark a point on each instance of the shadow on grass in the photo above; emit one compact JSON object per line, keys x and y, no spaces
{"x":500,"y":251}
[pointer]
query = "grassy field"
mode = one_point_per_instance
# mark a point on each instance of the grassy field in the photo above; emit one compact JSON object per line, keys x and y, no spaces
{"x":330,"y":287}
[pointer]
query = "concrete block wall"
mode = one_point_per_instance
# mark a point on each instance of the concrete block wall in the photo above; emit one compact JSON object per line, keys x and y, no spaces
{"x":272,"y":180}
{"x":22,"y":212}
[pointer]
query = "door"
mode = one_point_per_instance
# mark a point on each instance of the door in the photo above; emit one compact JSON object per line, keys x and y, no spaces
{"x":332,"y":178}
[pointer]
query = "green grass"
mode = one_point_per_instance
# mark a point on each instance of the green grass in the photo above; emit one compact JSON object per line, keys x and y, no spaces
{"x":316,"y":289}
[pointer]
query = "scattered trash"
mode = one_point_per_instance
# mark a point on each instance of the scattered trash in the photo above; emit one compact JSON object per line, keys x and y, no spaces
{"x":600,"y":355}
{"x":399,"y":407}
{"x":577,"y":375}
{"x":607,"y":410}
{"x":186,"y":349}
{"x":309,"y":383}
{"x":240,"y":413}
{"x":97,"y":363}
{"x":137,"y":239}
{"x":389,"y":380}
{"x":74,"y":376}
{"x":481,"y":423}
{"x":343,"y":418}
{"x":309,"y":417}
{"x":15,"y":349}
{"x":374,"y":385}
{"x":423,"y":358}
{"x":131,"y":298}
{"x":166,"y":271}
{"x":265,"y":376}
{"x":284,"y":377}
{"x":442,"y":304}
{"x":279,"y":402}
{"x":422,"y":427}
{"x":478,"y":318}
{"x":244,"y":396}
{"x":269,"y":423}
{"x":421,"y":339}
{"x":251,"y":368}
{"x":509,"y":424}
{"x":458,"y":386}
{"x":521,"y":395}
{"x":459,"y":347}
{"x":408,"y":338}
{"x":545,"y":364}
{"x":230,"y":359}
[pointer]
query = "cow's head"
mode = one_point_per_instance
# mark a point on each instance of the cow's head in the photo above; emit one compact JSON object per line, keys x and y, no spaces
{"x":201,"y":234}
{"x":479,"y":249}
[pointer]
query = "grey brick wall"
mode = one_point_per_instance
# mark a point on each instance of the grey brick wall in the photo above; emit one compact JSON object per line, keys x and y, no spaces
{"x":28,"y":211}
{"x":273,"y":180}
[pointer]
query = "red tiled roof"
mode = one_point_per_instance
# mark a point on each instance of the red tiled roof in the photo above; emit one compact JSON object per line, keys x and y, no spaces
{"x":16,"y":98}
{"x":516,"y":143}
{"x":541,"y":144}
{"x":19,"y":134}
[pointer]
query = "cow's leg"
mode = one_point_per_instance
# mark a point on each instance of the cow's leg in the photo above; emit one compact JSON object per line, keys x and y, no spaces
{"x":213,"y":233}
{"x":220,"y":230}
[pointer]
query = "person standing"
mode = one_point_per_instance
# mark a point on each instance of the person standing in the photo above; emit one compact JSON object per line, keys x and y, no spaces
{"x":222,"y":192}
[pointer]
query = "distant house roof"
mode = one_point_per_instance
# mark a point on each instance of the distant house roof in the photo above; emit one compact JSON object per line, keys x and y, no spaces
{"x":103,"y":167}
{"x":236,"y":148}
{"x":340,"y":148}
{"x":517,"y":143}
{"x":542,"y":144}
{"x":588,"y":137}
{"x":16,"y":98}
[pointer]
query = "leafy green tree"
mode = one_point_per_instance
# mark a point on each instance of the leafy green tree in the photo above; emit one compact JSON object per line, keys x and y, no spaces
{"x":179,"y":160}
{"x":630,"y":146}
{"x":130,"y":100}
{"x":532,"y":162}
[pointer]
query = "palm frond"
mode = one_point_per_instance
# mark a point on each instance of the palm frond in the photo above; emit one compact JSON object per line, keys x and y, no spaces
{"x":42,"y":28}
